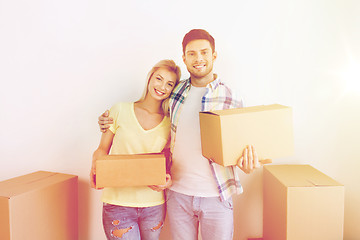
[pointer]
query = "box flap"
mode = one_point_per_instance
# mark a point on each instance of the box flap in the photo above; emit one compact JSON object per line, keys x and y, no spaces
{"x":130,"y":156}
{"x":210,"y":113}
{"x":22,"y":184}
{"x":246,"y":110}
{"x":301,"y":176}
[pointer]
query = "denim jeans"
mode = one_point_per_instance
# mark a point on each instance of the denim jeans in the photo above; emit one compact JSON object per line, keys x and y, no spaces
{"x":131,"y":223}
{"x":185,"y":214}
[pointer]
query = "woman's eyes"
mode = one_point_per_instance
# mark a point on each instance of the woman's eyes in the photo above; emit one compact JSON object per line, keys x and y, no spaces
{"x":160,"y":79}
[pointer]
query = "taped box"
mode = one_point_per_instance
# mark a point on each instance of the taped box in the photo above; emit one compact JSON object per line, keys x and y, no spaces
{"x":39,"y":206}
{"x":130,"y":170}
{"x":300,"y":203}
{"x":225,"y":133}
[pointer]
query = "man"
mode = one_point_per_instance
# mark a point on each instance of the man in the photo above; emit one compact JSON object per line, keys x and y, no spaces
{"x":201,"y":191}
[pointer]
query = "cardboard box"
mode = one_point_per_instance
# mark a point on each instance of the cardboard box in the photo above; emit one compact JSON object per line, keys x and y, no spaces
{"x":301,"y":203}
{"x":225,"y":133}
{"x":39,"y":206}
{"x":130,"y":170}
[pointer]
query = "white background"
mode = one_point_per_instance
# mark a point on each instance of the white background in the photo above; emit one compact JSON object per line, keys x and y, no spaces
{"x":62,"y":63}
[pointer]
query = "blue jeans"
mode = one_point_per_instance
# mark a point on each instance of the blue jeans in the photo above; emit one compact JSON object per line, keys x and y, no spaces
{"x":185,"y":214}
{"x":131,"y":223}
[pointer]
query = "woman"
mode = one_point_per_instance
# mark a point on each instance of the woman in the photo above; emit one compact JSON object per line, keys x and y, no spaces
{"x":139,"y":127}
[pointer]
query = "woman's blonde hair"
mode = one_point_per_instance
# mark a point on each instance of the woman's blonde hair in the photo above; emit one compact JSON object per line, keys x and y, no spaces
{"x":172,"y":67}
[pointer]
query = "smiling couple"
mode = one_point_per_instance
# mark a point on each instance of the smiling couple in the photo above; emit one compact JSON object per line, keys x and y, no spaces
{"x":198,"y":191}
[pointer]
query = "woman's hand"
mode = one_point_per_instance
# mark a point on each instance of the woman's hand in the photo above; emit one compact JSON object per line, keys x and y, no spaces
{"x":103,"y":149}
{"x":93,"y":176}
{"x":160,"y":188}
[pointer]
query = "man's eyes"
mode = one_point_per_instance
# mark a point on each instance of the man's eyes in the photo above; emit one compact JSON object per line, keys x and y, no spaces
{"x":202,"y":53}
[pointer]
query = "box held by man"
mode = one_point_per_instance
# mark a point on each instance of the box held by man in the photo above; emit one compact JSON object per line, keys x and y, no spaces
{"x":225,"y":133}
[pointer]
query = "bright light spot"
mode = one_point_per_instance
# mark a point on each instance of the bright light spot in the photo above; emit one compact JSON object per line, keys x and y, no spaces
{"x":351,"y":76}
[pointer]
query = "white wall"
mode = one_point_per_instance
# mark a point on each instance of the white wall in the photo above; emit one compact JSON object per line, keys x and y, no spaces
{"x":62,"y":63}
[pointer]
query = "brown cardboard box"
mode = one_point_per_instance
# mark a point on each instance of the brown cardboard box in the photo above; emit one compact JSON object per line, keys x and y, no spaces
{"x":225,"y":133}
{"x":301,"y":203}
{"x":130,"y":170}
{"x":39,"y":206}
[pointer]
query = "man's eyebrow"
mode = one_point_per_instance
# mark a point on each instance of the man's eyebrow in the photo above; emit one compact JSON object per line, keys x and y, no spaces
{"x":201,"y":50}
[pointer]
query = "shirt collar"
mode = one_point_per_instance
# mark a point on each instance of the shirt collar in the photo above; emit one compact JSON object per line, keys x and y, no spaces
{"x":212,"y":85}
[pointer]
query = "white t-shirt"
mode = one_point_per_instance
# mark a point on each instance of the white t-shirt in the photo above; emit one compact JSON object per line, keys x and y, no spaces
{"x":191,"y":172}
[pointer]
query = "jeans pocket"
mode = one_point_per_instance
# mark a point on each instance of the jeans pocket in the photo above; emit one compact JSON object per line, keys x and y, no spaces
{"x":168,"y":194}
{"x":228,"y":203}
{"x":110,"y":208}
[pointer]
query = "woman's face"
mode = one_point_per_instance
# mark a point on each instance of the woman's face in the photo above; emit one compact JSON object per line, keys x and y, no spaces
{"x":161,"y":84}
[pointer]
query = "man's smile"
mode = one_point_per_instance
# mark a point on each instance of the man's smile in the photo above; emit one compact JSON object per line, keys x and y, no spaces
{"x":199,"y":66}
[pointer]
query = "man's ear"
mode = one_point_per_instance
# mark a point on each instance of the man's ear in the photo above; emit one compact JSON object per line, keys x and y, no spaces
{"x":214,"y":56}
{"x":183,"y":57}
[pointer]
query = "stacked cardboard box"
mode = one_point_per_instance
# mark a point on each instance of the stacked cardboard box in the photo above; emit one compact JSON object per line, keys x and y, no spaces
{"x":39,"y":206}
{"x":301,"y":203}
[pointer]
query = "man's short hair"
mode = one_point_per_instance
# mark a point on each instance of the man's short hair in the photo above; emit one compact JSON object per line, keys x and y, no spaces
{"x":197,"y":34}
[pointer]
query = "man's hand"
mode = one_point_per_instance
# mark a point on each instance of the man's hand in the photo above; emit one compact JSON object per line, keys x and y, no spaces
{"x":160,"y":188}
{"x":104,"y":121}
{"x":249,"y":160}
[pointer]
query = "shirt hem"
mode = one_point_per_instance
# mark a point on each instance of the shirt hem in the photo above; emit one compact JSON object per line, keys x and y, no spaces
{"x":194,"y":194}
{"x":127,"y":204}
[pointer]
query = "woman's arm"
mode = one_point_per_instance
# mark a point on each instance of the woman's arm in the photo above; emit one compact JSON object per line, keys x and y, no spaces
{"x":168,"y":181}
{"x":103,"y":149}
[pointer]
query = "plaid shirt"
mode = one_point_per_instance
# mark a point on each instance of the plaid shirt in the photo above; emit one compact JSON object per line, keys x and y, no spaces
{"x":218,"y":96}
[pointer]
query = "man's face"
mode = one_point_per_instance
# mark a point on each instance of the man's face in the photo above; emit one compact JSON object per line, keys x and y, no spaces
{"x":199,"y":58}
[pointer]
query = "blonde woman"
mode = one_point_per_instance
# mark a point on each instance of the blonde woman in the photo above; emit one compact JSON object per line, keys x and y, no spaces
{"x":138,"y":127}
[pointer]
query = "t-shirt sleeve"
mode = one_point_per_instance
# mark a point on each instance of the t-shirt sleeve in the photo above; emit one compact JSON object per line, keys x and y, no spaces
{"x":114,"y":113}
